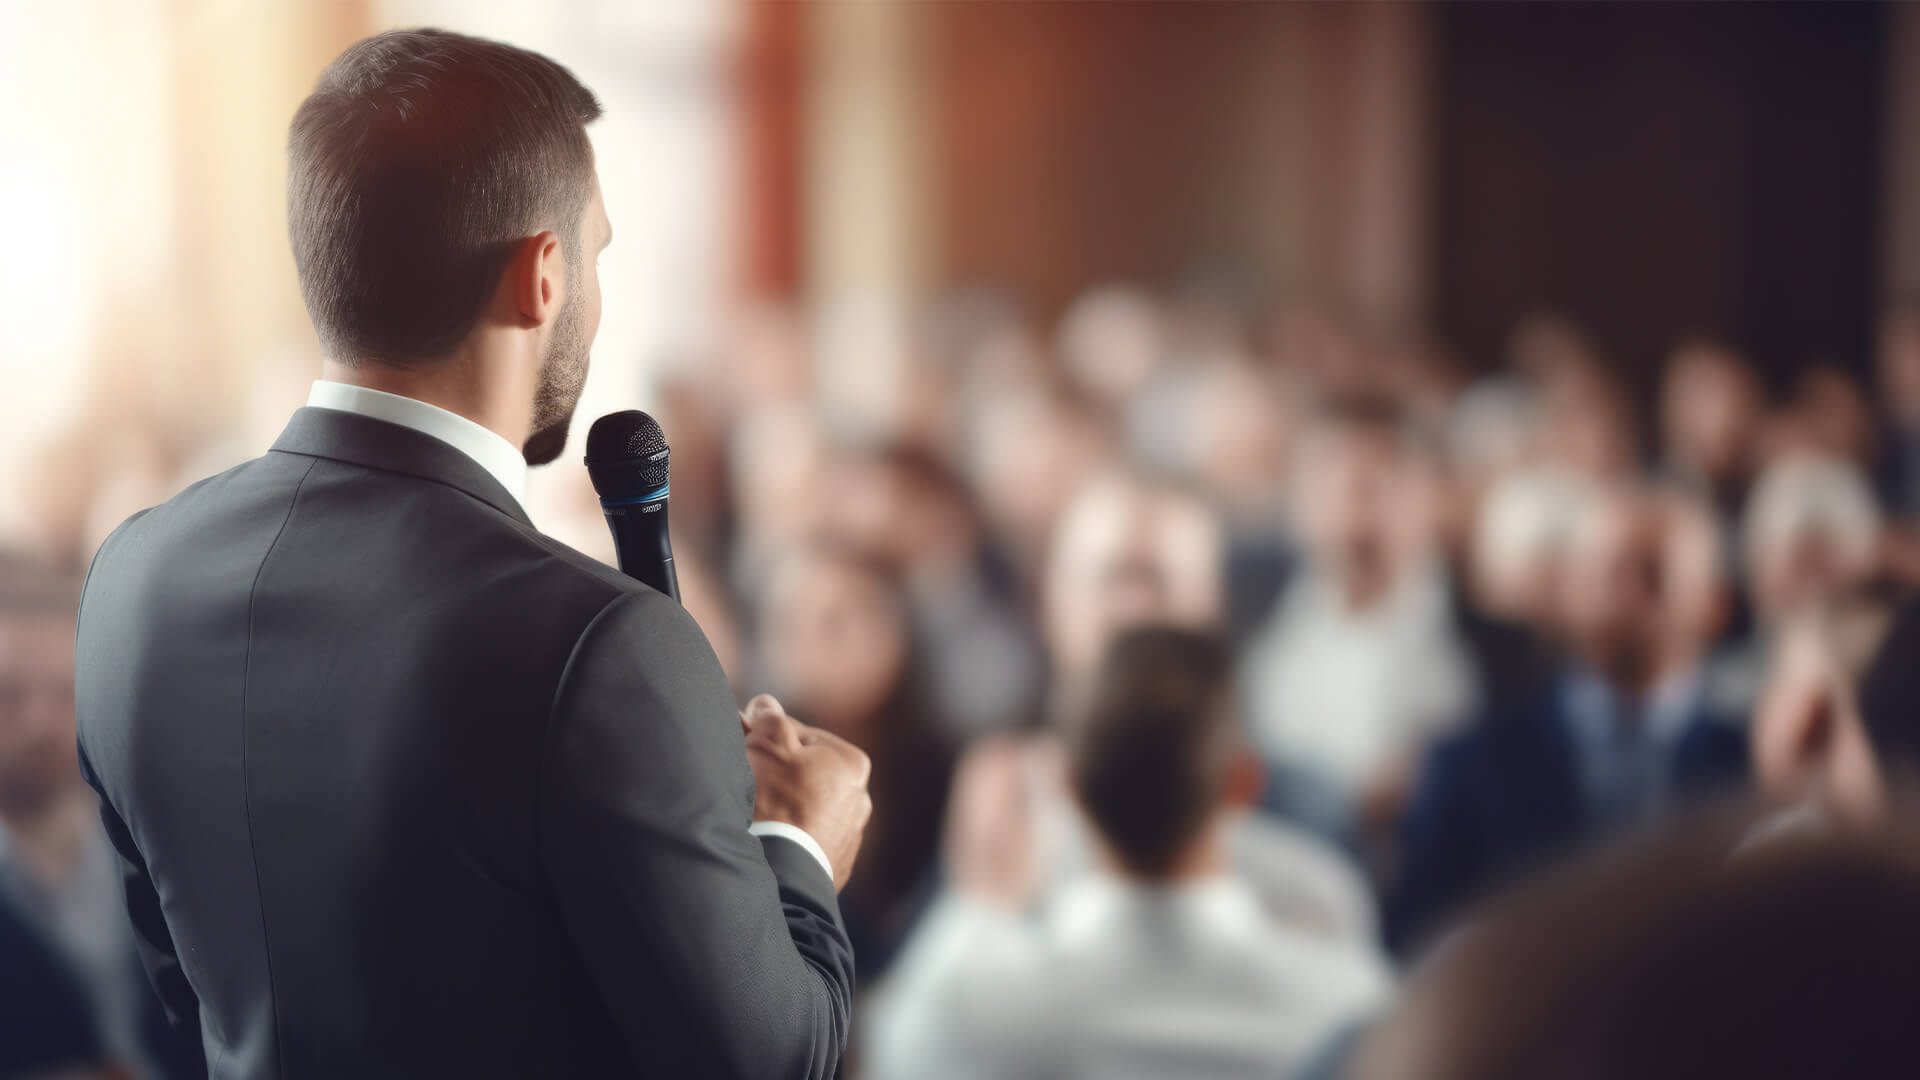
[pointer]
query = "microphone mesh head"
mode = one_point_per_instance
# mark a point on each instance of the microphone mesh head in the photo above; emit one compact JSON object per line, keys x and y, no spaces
{"x":627,"y":449}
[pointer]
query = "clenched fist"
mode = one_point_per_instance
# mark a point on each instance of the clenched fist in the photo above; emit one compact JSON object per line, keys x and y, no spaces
{"x":808,"y":778}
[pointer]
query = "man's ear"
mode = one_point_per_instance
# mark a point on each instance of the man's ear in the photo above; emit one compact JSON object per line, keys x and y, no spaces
{"x":536,"y":279}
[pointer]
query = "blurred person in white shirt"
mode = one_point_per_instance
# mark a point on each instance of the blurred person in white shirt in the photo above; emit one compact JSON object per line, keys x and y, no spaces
{"x":1162,"y":961}
{"x":1360,"y":662}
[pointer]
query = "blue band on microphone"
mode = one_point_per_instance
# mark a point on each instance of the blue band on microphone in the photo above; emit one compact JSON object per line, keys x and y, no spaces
{"x":651,"y":496}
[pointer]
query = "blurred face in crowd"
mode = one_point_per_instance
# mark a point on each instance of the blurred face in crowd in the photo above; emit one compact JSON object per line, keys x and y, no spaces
{"x":1709,"y":408}
{"x":37,"y":760}
{"x":1611,"y":589}
{"x":889,"y":508}
{"x":835,"y":635}
{"x":1833,"y":413}
{"x":1812,"y":531}
{"x":1034,"y":450}
{"x":778,"y":457}
{"x":1584,"y":426}
{"x":1239,"y":436}
{"x":1128,"y":555}
{"x":1354,"y":494}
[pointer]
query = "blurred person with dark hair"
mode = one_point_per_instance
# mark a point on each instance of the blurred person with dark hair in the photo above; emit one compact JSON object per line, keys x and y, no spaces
{"x":402,"y":786}
{"x":917,"y":514}
{"x":838,"y":645}
{"x":73,"y":999}
{"x":1134,"y":551}
{"x":1360,"y":662}
{"x":1710,"y":413}
{"x":1623,"y":732}
{"x":1714,"y":947}
{"x":1162,"y":962}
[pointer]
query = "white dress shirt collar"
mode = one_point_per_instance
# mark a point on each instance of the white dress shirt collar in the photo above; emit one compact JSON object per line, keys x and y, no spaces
{"x":502,"y":460}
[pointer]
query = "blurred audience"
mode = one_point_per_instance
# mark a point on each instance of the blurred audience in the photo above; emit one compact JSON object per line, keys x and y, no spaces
{"x":73,"y":999}
{"x":1162,"y":962}
{"x":1480,"y":612}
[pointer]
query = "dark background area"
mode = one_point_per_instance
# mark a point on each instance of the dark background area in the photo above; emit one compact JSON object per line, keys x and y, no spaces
{"x":1660,"y":170}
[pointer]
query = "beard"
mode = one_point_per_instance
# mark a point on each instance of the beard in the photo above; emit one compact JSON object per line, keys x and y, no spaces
{"x":563,"y":374}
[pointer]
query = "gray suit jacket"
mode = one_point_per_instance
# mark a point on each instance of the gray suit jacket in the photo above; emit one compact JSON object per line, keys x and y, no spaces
{"x":404,"y":788}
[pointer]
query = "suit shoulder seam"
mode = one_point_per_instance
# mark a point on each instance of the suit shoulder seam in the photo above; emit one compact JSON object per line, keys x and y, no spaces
{"x":246,"y":787}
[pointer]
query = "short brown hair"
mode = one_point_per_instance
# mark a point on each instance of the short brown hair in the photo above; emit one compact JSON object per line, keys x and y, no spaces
{"x":414,"y":166}
{"x":1153,"y":751}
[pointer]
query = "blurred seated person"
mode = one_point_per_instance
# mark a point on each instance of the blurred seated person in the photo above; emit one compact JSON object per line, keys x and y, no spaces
{"x":1135,"y":551}
{"x":73,"y":999}
{"x":1621,"y":734}
{"x":1812,"y":533}
{"x":1710,"y":410}
{"x":1162,"y":962}
{"x":1360,"y":662}
{"x":906,"y":506}
{"x":838,"y":647}
{"x":1695,"y":952}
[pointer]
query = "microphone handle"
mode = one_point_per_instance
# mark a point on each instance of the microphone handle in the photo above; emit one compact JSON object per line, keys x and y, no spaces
{"x":641,"y":544}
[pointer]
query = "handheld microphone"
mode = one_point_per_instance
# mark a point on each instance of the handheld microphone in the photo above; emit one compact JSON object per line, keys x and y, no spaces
{"x":627,"y":461}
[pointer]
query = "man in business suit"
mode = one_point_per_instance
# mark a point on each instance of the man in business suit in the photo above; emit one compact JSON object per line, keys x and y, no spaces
{"x":1624,"y":732}
{"x":403,"y":787}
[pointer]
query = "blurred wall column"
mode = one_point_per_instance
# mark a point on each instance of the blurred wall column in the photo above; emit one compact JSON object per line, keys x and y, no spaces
{"x":1381,"y":260}
{"x":868,"y":262}
{"x":1900,"y":251}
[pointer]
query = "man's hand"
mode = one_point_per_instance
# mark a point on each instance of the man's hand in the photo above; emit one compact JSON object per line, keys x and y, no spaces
{"x":810,"y":779}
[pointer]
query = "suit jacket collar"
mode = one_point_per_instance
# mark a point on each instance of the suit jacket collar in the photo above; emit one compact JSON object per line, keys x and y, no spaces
{"x":377,"y":444}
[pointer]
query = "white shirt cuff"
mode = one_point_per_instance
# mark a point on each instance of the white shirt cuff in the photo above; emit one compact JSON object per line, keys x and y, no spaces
{"x":796,"y":834}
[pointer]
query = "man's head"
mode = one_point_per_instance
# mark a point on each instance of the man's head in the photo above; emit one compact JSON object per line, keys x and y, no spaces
{"x":1158,"y":754}
{"x":1357,"y":493}
{"x":439,"y":184}
{"x":36,"y":686}
{"x":1710,"y":405}
{"x":1612,"y":585}
{"x":1130,"y":551}
{"x":1706,"y":948}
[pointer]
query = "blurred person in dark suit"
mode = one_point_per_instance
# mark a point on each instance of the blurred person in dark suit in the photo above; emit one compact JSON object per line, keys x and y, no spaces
{"x":401,"y":786}
{"x":1622,"y":733}
{"x":72,"y":996}
{"x":1162,"y":961}
{"x":1713,"y":947}
{"x":838,"y":644}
